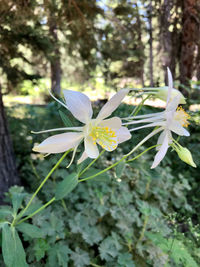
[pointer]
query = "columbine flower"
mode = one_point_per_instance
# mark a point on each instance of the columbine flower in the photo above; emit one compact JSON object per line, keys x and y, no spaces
{"x":108,"y":133}
{"x":173,"y":119}
{"x":162,"y":92}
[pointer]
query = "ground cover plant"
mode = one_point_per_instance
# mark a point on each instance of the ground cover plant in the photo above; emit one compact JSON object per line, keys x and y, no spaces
{"x":129,"y":216}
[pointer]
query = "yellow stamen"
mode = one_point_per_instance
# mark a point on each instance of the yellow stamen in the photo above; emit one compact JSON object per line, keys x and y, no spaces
{"x":182,"y":117}
{"x":105,"y":136}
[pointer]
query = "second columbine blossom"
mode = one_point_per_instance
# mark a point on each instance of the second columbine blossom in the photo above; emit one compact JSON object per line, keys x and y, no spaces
{"x":107,"y":133}
{"x":173,"y":119}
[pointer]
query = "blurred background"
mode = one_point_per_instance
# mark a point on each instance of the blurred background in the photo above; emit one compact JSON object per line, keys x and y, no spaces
{"x":99,"y":47}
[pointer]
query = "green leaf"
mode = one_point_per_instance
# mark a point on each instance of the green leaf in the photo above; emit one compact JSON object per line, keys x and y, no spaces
{"x":65,"y":119}
{"x":13,"y":251}
{"x":120,"y":168}
{"x":109,"y":249}
{"x":5,"y":211}
{"x":80,"y":258}
{"x":17,"y":199}
{"x":30,"y":230}
{"x":125,"y":260}
{"x":40,"y":247}
{"x":58,"y":255}
{"x":66,"y":186}
{"x":104,"y":177}
{"x":173,"y":247}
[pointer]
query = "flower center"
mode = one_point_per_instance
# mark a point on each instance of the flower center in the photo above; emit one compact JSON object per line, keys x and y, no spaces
{"x":182,"y":117}
{"x":104,"y":136}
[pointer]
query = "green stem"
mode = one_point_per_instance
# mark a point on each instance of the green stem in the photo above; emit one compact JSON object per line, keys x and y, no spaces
{"x":41,"y":185}
{"x":137,"y":108}
{"x":105,"y":170}
{"x":91,"y":163}
{"x":143,"y":230}
{"x":35,"y":212}
{"x":34,"y":169}
{"x":141,"y":153}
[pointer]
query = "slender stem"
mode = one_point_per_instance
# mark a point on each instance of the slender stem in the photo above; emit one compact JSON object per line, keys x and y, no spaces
{"x":105,"y":170}
{"x":141,"y":153}
{"x":35,"y":212}
{"x":143,"y":230}
{"x":137,"y":108}
{"x":91,"y":163}
{"x":43,"y":182}
{"x":64,"y":205}
{"x":34,"y":169}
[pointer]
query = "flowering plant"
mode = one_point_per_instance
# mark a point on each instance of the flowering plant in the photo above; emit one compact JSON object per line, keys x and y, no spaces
{"x":108,"y":133}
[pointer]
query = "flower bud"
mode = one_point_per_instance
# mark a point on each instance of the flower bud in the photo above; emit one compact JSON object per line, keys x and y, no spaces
{"x":162,"y":93}
{"x":185,"y":155}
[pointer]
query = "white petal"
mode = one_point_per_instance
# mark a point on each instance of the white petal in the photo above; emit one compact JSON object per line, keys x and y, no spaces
{"x":79,"y":129}
{"x":144,"y":116}
{"x":162,"y":124}
{"x":161,"y":153}
{"x":152,"y":119}
{"x":112,"y":104}
{"x":178,"y":129}
{"x":160,"y":140}
{"x":172,"y":106}
{"x":91,"y":149}
{"x":83,"y":157}
{"x":73,"y":156}
{"x":59,"y":143}
{"x":79,"y":105}
{"x":123,"y":135}
{"x":170,"y":85}
{"x":114,"y":123}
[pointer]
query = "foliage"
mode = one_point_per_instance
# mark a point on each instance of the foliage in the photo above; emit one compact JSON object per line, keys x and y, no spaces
{"x":114,"y":220}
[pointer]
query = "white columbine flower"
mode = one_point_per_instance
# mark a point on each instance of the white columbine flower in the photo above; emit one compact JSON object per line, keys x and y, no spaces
{"x":107,"y":133}
{"x":173,"y":119}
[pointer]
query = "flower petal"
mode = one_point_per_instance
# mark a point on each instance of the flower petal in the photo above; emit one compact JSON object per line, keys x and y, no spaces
{"x":160,"y":140}
{"x":161,"y":153}
{"x":112,"y":104}
{"x":79,"y":105}
{"x":83,"y":157}
{"x":178,"y":129}
{"x":113,"y":123}
{"x":91,"y":149}
{"x":154,"y":124}
{"x":172,"y":106}
{"x":144,"y":116}
{"x":123,"y":135}
{"x":162,"y":137}
{"x":59,"y":143}
{"x":170,"y":85}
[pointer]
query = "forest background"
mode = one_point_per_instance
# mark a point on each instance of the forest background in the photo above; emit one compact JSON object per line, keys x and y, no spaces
{"x":99,"y":47}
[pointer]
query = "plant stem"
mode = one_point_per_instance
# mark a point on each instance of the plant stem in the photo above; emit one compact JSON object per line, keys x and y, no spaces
{"x":35,"y":212}
{"x":43,"y":182}
{"x":91,"y":163}
{"x":143,"y":230}
{"x":137,"y":108}
{"x":141,"y":153}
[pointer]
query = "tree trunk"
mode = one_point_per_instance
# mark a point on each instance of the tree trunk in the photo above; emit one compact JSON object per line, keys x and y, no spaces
{"x":170,"y":38}
{"x":8,"y":171}
{"x":141,"y":46}
{"x":150,"y":44}
{"x":55,"y":60}
{"x":190,"y":35}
